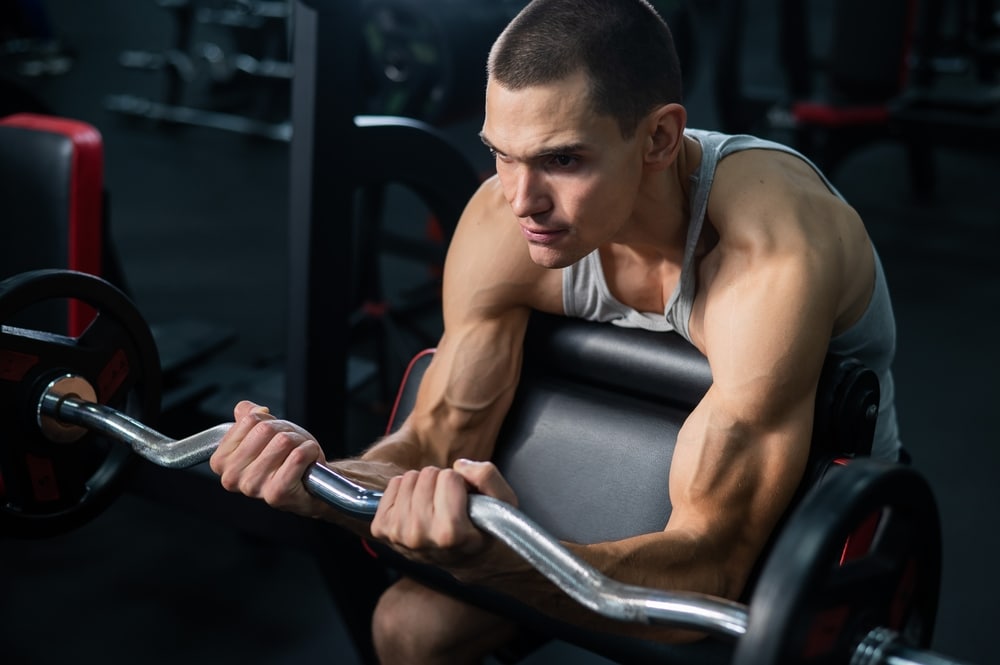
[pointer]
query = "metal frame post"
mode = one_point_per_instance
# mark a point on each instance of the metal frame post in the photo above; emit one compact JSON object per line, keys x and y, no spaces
{"x":325,"y":99}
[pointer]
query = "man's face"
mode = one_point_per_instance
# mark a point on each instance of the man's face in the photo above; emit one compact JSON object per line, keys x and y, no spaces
{"x":570,"y":178}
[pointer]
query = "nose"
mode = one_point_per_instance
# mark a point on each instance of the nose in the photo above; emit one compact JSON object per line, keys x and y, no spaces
{"x":525,"y":191}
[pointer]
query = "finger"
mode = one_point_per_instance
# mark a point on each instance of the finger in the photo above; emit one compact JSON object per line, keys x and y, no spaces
{"x":235,"y":437}
{"x":409,"y":515}
{"x":421,"y":508}
{"x":452,"y":527}
{"x":233,"y":465}
{"x":485,"y":478}
{"x":389,"y":506}
{"x":285,"y":486}
{"x":246,"y":406}
{"x":265,"y":450}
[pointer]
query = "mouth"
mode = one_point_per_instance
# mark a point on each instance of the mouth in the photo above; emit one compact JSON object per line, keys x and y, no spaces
{"x":542,"y":236}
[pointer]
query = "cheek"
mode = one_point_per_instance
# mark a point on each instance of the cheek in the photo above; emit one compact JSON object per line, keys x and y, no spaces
{"x":603,"y":202}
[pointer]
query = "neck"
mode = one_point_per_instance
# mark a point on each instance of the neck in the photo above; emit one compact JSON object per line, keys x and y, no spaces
{"x":661,"y":218}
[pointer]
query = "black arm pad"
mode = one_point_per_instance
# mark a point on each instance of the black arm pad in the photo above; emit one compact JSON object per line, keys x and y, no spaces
{"x":589,"y":439}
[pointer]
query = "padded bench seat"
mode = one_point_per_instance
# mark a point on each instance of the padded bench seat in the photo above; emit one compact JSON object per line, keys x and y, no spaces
{"x":588,"y":442}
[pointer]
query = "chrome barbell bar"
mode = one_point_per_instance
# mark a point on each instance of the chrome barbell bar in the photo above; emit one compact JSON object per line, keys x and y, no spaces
{"x":60,"y":405}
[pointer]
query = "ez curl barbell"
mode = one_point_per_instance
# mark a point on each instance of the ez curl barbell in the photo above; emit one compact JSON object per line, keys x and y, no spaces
{"x":876,"y":607}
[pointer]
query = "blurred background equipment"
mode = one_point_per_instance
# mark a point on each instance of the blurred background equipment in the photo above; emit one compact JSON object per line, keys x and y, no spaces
{"x":228,"y":64}
{"x":227,"y":67}
{"x":427,"y":57}
{"x":852,"y":73}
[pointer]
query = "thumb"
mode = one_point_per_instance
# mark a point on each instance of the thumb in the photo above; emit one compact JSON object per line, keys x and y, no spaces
{"x":485,"y":478}
{"x":245,"y":407}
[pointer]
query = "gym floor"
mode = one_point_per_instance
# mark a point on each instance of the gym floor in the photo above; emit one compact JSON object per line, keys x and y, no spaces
{"x":198,"y":217}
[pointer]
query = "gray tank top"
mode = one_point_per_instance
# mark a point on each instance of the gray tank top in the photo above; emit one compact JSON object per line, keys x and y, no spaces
{"x":872,"y":340}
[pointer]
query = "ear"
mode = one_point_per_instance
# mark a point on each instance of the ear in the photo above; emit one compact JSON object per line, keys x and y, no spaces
{"x":664,"y":135}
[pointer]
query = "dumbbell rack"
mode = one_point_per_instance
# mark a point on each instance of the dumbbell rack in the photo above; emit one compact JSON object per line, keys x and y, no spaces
{"x":207,"y":85}
{"x":954,"y":91}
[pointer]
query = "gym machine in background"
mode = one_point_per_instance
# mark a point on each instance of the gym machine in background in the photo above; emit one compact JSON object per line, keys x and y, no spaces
{"x":954,"y":91}
{"x":229,"y":63}
{"x":227,"y":67}
{"x":852,"y":73}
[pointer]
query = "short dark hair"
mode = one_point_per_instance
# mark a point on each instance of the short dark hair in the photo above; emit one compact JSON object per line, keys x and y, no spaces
{"x":623,"y":46}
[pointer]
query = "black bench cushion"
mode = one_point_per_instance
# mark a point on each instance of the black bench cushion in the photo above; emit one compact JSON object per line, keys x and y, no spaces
{"x":589,"y":438}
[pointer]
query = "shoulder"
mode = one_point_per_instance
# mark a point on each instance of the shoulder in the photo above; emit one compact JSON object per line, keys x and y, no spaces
{"x":771,"y":206}
{"x":488,"y":263}
{"x":789,"y":251}
{"x":761,"y":190}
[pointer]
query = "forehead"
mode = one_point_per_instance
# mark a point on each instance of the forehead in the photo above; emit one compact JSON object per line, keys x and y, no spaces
{"x":526,"y":121}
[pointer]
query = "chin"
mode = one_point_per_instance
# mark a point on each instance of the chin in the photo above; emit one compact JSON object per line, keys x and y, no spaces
{"x":550,"y":258}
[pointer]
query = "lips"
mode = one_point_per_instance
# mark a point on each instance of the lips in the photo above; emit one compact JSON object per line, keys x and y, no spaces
{"x":542,"y":236}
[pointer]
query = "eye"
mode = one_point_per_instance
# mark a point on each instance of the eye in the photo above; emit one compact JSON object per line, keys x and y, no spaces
{"x":563,"y":161}
{"x":498,"y":156}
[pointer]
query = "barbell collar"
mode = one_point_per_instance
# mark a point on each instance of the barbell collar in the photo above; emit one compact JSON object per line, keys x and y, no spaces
{"x":60,"y":431}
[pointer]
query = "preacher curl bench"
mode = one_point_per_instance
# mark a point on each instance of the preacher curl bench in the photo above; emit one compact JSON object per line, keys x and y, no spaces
{"x":852,"y":573}
{"x":587,"y":447}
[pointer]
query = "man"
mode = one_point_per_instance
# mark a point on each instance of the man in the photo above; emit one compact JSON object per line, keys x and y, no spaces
{"x":606,"y":207}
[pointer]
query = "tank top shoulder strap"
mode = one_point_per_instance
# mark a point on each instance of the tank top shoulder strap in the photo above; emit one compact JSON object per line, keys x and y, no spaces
{"x":585,"y":291}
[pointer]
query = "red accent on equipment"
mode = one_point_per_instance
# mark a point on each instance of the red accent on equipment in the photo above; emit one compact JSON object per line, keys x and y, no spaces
{"x":86,"y":199}
{"x":406,"y":376}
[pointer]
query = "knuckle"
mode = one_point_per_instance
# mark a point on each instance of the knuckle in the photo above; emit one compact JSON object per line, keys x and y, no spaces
{"x":304,"y":453}
{"x":230,"y":482}
{"x":275,"y":497}
{"x":264,"y":428}
{"x":412,"y":536}
{"x":452,"y":477}
{"x":248,"y":486}
{"x":445,"y":535}
{"x":282,"y":441}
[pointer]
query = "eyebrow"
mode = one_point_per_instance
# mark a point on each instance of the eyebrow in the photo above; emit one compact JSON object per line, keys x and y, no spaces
{"x":547,"y":151}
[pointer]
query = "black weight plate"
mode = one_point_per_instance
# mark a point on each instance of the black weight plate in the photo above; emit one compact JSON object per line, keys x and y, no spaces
{"x":48,"y":488}
{"x":862,"y":550}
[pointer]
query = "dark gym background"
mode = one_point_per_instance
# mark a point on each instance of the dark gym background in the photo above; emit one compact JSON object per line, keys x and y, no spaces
{"x":198,"y":216}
